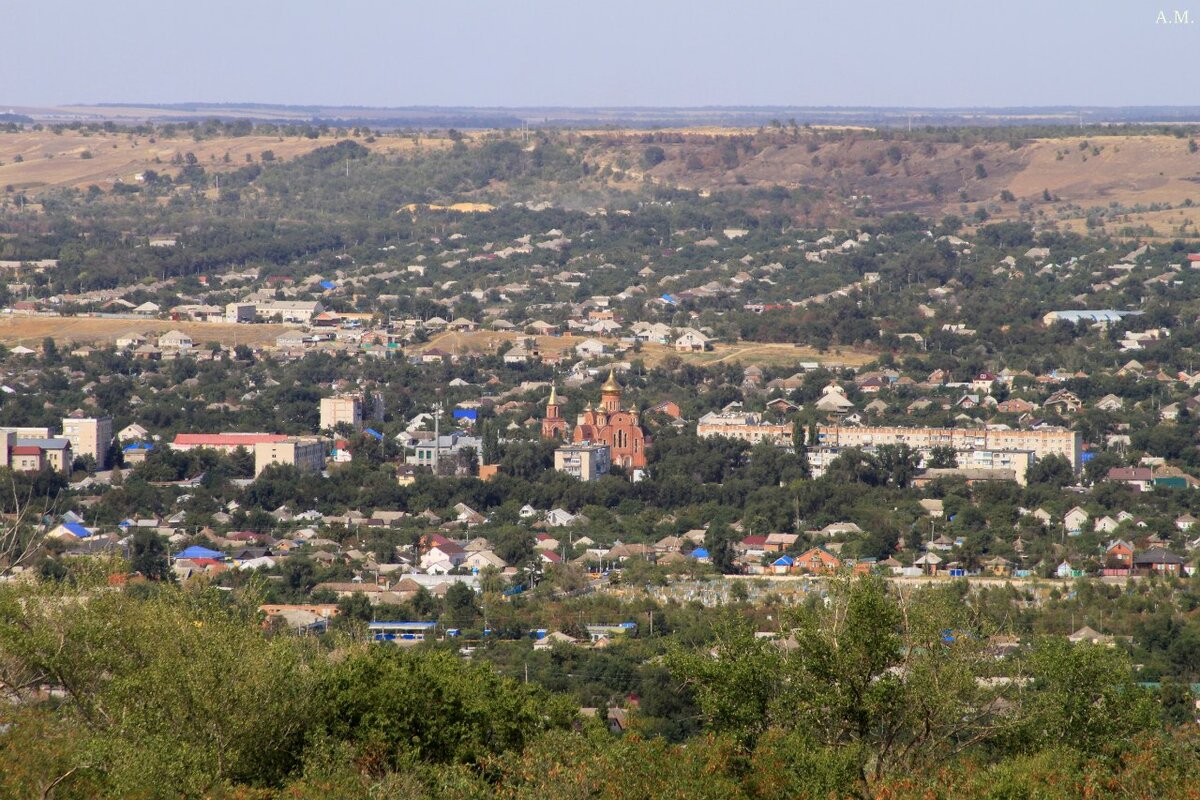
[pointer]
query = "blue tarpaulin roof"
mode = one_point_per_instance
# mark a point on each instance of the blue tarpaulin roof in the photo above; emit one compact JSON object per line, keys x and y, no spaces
{"x":466,"y":413}
{"x":77,"y":530}
{"x":196,"y":551}
{"x":373,"y":433}
{"x":699,"y":552}
{"x":138,"y":446}
{"x":668,"y":298}
{"x":328,"y":285}
{"x":783,"y":561}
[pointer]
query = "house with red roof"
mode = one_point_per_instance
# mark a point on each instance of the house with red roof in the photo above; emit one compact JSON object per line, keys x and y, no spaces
{"x":752,"y":546}
{"x":816,"y":561}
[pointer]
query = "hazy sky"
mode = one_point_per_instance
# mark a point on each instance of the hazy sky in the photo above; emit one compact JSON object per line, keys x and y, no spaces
{"x":601,"y":53}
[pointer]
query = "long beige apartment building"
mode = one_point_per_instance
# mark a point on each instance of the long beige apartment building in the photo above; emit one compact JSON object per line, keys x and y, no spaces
{"x":746,"y":426}
{"x":1042,"y":443}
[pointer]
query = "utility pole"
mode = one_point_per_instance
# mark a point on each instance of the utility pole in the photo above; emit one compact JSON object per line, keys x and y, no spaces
{"x":437,"y":437}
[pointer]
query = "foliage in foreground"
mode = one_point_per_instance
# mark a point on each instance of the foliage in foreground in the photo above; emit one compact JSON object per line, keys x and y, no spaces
{"x":170,"y":692}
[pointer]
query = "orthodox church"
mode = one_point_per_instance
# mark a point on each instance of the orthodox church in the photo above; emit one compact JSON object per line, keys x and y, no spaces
{"x":607,"y":424}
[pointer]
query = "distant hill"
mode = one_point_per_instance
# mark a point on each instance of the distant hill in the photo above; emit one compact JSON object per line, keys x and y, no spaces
{"x":627,"y":117}
{"x":1149,"y":182}
{"x":1133,"y":181}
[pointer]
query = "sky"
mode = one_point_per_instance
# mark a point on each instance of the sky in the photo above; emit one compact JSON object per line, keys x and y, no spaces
{"x":530,"y":53}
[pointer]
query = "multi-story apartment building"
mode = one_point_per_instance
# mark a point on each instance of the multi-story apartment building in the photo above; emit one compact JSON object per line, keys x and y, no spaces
{"x":89,"y":436}
{"x":340,"y":409}
{"x":306,"y":453}
{"x":746,"y":426}
{"x":583,"y":461}
{"x":1042,"y":442}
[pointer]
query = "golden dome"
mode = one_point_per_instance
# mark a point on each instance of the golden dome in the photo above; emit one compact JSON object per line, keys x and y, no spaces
{"x":553,"y":396}
{"x":611,"y":384}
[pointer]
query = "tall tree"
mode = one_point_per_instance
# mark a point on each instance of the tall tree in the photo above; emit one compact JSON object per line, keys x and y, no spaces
{"x":148,"y":556}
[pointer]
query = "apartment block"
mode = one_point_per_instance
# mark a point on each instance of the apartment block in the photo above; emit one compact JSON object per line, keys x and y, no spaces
{"x":306,"y":453}
{"x":89,"y":436}
{"x":1042,"y":442}
{"x":585,"y":461}
{"x":748,"y":427}
{"x":340,"y":409}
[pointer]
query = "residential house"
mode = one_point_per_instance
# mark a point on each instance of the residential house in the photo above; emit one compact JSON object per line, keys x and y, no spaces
{"x":175,"y":339}
{"x":1075,"y":519}
{"x":1158,"y":561}
{"x":1118,"y":554}
{"x":1063,"y":402}
{"x":1140,"y":478}
{"x":817,"y":561}
{"x":692,"y":341}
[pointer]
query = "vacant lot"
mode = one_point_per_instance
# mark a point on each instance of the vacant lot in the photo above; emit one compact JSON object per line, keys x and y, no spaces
{"x":31,"y":331}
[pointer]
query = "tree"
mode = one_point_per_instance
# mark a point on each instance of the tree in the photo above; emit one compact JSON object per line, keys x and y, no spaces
{"x":490,"y":445}
{"x":1053,"y":470}
{"x":652,"y":156}
{"x":356,"y":606}
{"x":148,"y":556}
{"x":800,"y":445}
{"x":719,"y":540}
{"x":942,"y":457}
{"x":131,"y":667}
{"x":468,"y":461}
{"x":735,"y":690}
{"x":393,"y":705}
{"x":1096,"y":469}
{"x":513,"y":544}
{"x":1081,"y":696}
{"x":50,"y":353}
{"x":898,"y":463}
{"x":855,"y":466}
{"x":876,"y":685}
{"x":461,"y":608}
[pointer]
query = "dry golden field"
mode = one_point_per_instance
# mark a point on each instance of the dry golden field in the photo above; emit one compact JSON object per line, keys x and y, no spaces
{"x":50,"y":160}
{"x":31,"y":331}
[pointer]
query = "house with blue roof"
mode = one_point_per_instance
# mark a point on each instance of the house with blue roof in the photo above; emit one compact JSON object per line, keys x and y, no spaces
{"x":196,"y":551}
{"x":136,"y":453}
{"x":70,"y":531}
